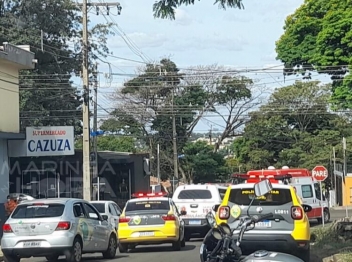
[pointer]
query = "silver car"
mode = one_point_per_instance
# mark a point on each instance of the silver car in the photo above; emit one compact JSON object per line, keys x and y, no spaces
{"x":54,"y":227}
{"x":109,"y":210}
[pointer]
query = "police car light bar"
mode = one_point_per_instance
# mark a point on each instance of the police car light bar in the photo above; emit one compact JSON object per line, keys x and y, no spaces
{"x":159,"y":194}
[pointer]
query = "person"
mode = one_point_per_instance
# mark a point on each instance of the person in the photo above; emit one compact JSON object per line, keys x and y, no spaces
{"x":10,"y":205}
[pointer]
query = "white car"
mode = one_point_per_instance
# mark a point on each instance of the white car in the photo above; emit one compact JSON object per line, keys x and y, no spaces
{"x":109,"y":210}
{"x":196,"y":201}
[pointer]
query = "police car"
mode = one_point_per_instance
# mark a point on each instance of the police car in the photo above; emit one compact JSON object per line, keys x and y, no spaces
{"x":150,"y":219}
{"x":196,"y":201}
{"x":288,"y":231}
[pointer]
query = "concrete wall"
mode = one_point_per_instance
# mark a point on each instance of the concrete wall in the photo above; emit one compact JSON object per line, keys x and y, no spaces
{"x":9,"y":98}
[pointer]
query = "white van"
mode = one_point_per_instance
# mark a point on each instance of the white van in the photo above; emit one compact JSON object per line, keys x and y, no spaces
{"x":197,"y":201}
{"x":309,"y":192}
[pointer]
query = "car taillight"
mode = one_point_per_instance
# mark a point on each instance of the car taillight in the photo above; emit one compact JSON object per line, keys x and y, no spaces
{"x":6,"y":228}
{"x":124,"y":219}
{"x":224,"y":212}
{"x":63,"y":225}
{"x":296,"y":213}
{"x":168,"y":218}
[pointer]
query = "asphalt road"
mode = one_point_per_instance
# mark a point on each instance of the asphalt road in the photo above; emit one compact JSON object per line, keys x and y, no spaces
{"x":190,"y":253}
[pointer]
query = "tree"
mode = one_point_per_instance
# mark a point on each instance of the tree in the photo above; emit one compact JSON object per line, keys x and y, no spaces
{"x":146,"y":106}
{"x":166,"y":8}
{"x":317,"y":37}
{"x":234,"y":98}
{"x":112,"y":143}
{"x":295,"y":128}
{"x":201,"y":164}
{"x":47,"y":95}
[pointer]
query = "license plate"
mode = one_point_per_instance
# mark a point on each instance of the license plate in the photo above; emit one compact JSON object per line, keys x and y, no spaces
{"x":31,"y":244}
{"x":195,"y":222}
{"x":146,"y":234}
{"x":264,"y":224}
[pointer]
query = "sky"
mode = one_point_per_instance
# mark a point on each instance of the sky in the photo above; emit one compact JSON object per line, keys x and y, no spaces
{"x":202,"y":34}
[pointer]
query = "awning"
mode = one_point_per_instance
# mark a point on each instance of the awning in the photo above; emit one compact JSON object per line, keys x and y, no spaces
{"x":9,"y":135}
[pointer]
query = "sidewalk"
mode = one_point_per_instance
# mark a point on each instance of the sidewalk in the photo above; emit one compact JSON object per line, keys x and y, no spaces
{"x":341,"y":208}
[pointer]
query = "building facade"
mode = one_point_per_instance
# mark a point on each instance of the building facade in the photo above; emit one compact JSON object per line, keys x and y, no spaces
{"x":12,"y":60}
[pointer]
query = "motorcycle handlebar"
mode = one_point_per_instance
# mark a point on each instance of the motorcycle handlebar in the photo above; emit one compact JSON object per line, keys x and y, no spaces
{"x":251,"y":220}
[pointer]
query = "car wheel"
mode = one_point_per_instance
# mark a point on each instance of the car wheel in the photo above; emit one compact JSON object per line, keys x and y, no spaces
{"x":11,"y":258}
{"x":75,"y":253}
{"x":326,"y":217}
{"x":52,"y":258}
{"x":112,"y":247}
{"x":177,"y":245}
{"x":183,"y":242}
{"x":123,"y":248}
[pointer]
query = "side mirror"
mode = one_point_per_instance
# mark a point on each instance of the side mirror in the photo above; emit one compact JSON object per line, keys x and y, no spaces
{"x":262,"y":188}
{"x":307,"y":208}
{"x":183,"y":212}
{"x":215,"y":208}
{"x":105,"y":217}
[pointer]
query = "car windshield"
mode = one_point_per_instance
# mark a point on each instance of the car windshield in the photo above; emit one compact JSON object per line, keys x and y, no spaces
{"x":147,"y":205}
{"x":244,"y":196}
{"x":100,"y":207}
{"x":38,"y":210}
{"x":195,"y":194}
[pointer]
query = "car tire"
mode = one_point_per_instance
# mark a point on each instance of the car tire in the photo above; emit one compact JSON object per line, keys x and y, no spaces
{"x":110,"y":253}
{"x":123,"y":248}
{"x":11,"y":258}
{"x":75,"y":252}
{"x":183,"y":242}
{"x":326,"y":217}
{"x":52,"y":258}
{"x":176,"y":246}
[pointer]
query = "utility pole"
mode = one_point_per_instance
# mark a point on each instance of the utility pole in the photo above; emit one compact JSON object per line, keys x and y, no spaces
{"x":85,"y":107}
{"x":210,"y":134}
{"x":95,"y":129}
{"x":344,"y":147}
{"x":334,"y":166}
{"x":174,"y":135}
{"x":158,"y":163}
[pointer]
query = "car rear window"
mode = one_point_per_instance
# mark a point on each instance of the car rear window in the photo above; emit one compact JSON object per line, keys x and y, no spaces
{"x":100,"y":207}
{"x":147,"y":205}
{"x":37,"y":211}
{"x":195,"y":194}
{"x":244,"y":196}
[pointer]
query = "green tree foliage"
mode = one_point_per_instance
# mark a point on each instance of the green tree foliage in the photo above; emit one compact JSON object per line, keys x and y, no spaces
{"x":295,"y":128}
{"x":148,"y":102}
{"x":112,"y":143}
{"x":318,"y":37}
{"x":166,"y":8}
{"x":201,"y":163}
{"x":47,"y":95}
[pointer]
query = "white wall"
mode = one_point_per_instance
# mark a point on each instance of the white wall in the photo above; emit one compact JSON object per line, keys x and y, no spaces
{"x":4,"y":171}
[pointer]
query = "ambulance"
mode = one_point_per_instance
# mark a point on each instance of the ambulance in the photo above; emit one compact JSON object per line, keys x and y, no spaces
{"x":302,"y":181}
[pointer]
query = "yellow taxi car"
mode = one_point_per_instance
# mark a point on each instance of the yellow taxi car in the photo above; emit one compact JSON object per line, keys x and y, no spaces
{"x":150,"y":219}
{"x":289,"y":229}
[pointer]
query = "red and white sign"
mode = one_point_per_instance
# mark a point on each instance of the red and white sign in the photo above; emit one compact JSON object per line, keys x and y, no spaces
{"x":320,"y":173}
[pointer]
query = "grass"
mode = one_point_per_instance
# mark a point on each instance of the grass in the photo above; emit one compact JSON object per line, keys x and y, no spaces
{"x":326,"y":243}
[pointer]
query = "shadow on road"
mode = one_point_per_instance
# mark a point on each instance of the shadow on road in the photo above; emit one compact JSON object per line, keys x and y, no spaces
{"x":94,"y":257}
{"x":145,"y":249}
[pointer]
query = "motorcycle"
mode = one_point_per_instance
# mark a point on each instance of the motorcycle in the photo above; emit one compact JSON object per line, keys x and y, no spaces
{"x":220,"y":245}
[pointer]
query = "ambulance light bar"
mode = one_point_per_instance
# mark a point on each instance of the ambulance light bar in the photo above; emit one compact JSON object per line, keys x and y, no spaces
{"x":140,"y":195}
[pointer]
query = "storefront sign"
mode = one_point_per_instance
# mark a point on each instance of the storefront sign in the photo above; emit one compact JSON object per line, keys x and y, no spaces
{"x":50,"y":141}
